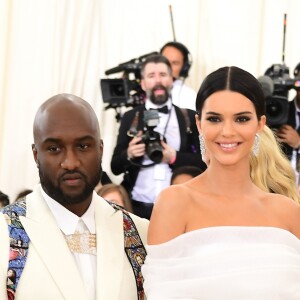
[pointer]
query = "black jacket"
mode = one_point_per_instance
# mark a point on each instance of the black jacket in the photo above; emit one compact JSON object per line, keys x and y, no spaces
{"x":188,"y":154}
{"x":292,"y":122}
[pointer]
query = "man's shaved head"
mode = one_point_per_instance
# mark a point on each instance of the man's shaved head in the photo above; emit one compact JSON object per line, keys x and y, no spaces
{"x":59,"y":102}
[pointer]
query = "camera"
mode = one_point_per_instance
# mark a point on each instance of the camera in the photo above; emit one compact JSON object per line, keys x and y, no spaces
{"x":125,"y":91}
{"x":122,"y":92}
{"x":276,"y":84}
{"x":151,"y":138}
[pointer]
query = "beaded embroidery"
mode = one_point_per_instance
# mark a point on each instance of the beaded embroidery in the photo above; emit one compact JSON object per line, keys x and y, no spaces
{"x":82,"y":243}
{"x":19,"y":242}
{"x":134,"y":249}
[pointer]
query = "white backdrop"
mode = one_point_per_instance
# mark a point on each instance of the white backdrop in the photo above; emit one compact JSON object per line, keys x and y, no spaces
{"x":53,"y":46}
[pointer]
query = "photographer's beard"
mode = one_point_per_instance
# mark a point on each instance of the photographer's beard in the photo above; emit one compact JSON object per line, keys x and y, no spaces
{"x":160,"y":98}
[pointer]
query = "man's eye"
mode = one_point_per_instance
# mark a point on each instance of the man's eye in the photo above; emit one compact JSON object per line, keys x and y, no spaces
{"x":53,"y":149}
{"x":83,"y":146}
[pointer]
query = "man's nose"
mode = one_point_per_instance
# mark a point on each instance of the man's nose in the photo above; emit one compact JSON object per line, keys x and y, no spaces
{"x":158,"y":79}
{"x":70,"y":161}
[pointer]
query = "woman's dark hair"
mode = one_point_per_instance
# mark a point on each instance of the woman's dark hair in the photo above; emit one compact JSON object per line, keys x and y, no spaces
{"x":236,"y":80}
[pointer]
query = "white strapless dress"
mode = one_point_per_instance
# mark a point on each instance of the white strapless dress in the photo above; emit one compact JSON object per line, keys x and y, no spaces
{"x":225,"y":263}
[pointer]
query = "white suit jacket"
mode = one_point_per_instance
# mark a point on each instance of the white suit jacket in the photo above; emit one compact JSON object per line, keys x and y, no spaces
{"x":50,"y":272}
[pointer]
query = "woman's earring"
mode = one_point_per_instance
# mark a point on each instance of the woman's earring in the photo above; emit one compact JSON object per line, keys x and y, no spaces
{"x":202,"y":145}
{"x":255,"y":148}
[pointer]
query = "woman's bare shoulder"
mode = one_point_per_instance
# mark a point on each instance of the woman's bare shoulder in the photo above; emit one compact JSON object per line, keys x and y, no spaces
{"x":169,"y":215}
{"x":287,"y":209}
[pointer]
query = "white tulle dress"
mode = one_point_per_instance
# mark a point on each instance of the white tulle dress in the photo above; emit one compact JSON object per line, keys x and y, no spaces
{"x":225,"y":262}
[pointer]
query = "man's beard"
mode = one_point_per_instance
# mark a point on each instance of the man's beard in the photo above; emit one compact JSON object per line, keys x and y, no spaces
{"x":55,"y":192}
{"x":159,"y":99}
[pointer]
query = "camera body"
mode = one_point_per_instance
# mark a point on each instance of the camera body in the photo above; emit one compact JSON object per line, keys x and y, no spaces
{"x":152,"y":141}
{"x":151,"y":138}
{"x":276,"y":84}
{"x":122,"y":92}
{"x":125,"y":91}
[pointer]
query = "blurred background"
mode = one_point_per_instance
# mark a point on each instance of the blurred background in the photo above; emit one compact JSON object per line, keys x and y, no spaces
{"x":65,"y":46}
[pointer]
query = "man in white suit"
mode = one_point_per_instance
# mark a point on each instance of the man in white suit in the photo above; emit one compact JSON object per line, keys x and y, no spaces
{"x":63,"y":241}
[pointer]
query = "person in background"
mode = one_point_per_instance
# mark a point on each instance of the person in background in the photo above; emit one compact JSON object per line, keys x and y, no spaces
{"x":185,"y":173}
{"x":289,"y":134}
{"x":177,"y":142}
{"x":181,"y":62}
{"x":64,"y":241}
{"x":224,"y":231}
{"x":23,"y":193}
{"x":116,"y":194}
{"x":4,"y":199}
{"x":270,"y":170}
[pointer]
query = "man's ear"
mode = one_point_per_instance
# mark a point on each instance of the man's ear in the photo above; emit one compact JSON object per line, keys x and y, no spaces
{"x":35,"y":153}
{"x":143,"y":84}
{"x":101,"y":147}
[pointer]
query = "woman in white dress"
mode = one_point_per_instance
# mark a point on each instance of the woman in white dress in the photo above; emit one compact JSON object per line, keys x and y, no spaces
{"x":220,"y":236}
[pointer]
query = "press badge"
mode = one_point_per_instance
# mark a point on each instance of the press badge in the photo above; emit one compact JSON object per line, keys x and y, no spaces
{"x":159,"y":172}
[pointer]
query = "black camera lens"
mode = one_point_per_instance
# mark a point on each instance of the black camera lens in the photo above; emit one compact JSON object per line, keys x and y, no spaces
{"x":277,"y":111}
{"x":154,"y":151}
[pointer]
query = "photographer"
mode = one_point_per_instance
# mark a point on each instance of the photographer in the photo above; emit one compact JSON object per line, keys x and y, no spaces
{"x":176,"y":126}
{"x":289,"y":134}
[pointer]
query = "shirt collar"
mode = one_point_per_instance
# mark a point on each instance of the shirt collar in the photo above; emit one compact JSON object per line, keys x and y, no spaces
{"x":66,"y":220}
{"x":149,"y":104}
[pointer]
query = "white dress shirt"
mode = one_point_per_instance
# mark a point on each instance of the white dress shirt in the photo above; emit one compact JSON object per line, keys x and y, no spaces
{"x":183,"y":96}
{"x":68,"y":224}
{"x":152,"y":180}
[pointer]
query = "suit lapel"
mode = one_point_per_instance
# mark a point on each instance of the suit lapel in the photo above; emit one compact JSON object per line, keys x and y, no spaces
{"x":182,"y":128}
{"x":49,"y":243}
{"x":110,"y":250}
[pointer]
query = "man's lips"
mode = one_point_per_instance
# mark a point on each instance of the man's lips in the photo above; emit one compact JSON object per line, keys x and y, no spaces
{"x":72,"y":179}
{"x":159,"y":91}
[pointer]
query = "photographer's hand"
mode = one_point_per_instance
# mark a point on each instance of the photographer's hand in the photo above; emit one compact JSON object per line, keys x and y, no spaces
{"x":135,"y":148}
{"x":287,"y":134}
{"x":169,"y":153}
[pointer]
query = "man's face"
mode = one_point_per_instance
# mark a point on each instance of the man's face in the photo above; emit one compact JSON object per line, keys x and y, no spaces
{"x":68,"y":152}
{"x":157,"y":82}
{"x":175,"y":58}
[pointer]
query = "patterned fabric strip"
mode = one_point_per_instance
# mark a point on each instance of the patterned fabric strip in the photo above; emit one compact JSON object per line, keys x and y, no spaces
{"x":18,"y":245}
{"x":134,"y":249}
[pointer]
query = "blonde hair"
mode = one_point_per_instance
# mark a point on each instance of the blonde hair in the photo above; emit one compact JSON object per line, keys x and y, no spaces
{"x":271,"y":170}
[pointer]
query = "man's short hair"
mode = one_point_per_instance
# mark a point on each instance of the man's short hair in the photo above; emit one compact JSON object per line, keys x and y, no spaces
{"x":158,"y":58}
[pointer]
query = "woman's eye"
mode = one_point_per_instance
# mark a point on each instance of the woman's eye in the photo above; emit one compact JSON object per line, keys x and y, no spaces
{"x":213,"y":119}
{"x":243,"y":119}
